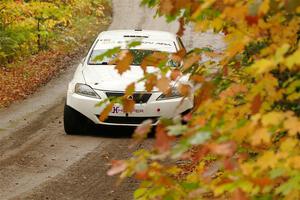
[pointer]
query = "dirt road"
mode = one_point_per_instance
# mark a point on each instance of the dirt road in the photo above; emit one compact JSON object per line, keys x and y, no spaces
{"x":38,"y":161}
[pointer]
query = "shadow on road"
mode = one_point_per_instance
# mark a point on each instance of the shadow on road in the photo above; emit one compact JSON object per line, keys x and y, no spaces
{"x":111,"y":131}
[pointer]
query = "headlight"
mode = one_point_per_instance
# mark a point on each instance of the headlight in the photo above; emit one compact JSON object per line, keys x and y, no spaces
{"x":174,"y":94}
{"x":85,"y":90}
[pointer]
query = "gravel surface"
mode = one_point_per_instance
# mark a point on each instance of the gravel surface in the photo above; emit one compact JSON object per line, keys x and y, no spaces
{"x":37,"y":159}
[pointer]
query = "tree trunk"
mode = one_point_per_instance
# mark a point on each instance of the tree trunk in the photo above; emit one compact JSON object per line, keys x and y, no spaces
{"x":39,"y":35}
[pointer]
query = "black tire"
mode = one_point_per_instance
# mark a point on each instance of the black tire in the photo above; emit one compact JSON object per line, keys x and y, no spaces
{"x":74,"y":122}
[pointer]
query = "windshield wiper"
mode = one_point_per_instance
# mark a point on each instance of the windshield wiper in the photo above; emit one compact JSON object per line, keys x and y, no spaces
{"x":103,"y":63}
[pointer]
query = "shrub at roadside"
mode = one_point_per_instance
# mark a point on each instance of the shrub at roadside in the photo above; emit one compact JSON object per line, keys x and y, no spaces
{"x":40,"y":38}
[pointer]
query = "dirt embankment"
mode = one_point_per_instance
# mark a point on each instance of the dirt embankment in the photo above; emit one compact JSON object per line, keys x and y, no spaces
{"x":37,"y":159}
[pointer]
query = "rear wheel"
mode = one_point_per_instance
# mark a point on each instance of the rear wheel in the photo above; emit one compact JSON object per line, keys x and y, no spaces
{"x":74,"y":122}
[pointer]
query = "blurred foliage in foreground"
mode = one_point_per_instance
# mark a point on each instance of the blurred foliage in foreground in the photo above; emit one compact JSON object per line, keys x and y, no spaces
{"x":29,"y":26}
{"x":241,"y":141}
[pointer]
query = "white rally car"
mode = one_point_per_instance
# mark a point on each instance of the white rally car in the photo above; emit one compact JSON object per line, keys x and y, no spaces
{"x":95,"y":81}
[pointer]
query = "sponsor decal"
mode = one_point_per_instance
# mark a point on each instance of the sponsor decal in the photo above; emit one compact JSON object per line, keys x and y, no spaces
{"x":118,"y":109}
{"x":130,"y":97}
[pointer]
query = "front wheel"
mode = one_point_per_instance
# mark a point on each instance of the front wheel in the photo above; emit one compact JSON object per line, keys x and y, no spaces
{"x":74,"y":122}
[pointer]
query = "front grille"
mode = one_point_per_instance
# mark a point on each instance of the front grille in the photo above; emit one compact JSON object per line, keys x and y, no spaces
{"x":129,"y":120}
{"x":137,"y":97}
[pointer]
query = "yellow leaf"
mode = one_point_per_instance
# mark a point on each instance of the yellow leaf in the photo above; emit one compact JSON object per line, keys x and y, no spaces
{"x":272,"y":118}
{"x":260,"y":136}
{"x":267,"y":160}
{"x":292,"y":124}
{"x":264,"y":7}
{"x":294,"y":162}
{"x":293,"y":60}
{"x":292,"y":195}
{"x":288,"y":144}
{"x":217,"y":24}
{"x":294,"y":96}
{"x":280,"y":52}
{"x":247,"y":168}
{"x":241,"y":133}
{"x":203,"y":6}
{"x":261,"y":66}
{"x":236,"y":44}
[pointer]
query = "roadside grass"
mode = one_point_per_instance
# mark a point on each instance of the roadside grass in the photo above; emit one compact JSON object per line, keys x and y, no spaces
{"x":23,"y":77}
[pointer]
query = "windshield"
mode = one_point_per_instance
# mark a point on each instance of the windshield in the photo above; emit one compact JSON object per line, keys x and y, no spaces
{"x":138,"y":57}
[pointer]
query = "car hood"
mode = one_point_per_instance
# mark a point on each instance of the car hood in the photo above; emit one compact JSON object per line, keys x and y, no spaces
{"x":106,"y":77}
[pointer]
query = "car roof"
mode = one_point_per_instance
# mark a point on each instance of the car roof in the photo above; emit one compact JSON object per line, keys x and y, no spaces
{"x":150,"y":40}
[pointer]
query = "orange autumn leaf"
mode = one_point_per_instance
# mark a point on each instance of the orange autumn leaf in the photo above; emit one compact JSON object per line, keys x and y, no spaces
{"x":175,"y":74}
{"x":263,"y":181}
{"x":124,"y":62}
{"x":190,"y":61}
{"x":163,"y":84}
{"x":224,"y":149}
{"x":150,"y":82}
{"x":181,"y":29}
{"x":128,"y":104}
{"x":239,"y":194}
{"x":251,"y":20}
{"x":178,"y":56}
{"x":117,"y":167}
{"x":204,"y":94}
{"x":166,"y":7}
{"x":143,"y":129}
{"x":211,"y":54}
{"x":256,"y":104}
{"x":185,"y":90}
{"x":142,"y":175}
{"x":104,"y":114}
{"x":130,"y":89}
{"x":162,"y":139}
{"x":229,"y":164}
{"x":153,"y":60}
{"x":197,"y":78}
{"x":233,"y":90}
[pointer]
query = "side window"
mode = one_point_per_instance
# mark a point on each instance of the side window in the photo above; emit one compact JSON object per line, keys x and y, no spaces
{"x":180,"y":43}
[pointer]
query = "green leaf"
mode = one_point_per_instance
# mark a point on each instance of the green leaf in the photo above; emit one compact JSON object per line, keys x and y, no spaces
{"x":109,"y":53}
{"x":190,"y":186}
{"x":176,"y":130}
{"x":199,"y":138}
{"x":134,"y":44}
{"x":139,"y":193}
{"x":274,"y":173}
{"x":180,"y":148}
{"x":292,"y":184}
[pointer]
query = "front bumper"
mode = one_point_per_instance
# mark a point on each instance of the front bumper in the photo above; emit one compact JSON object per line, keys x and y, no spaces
{"x":153,"y":109}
